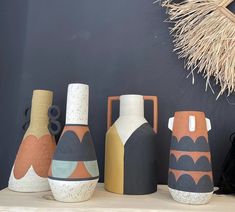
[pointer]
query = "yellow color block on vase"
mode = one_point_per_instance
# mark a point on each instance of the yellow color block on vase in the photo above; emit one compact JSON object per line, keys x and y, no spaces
{"x":114,"y":169}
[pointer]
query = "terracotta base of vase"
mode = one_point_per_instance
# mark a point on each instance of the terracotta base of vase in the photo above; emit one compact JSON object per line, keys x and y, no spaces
{"x":31,"y":182}
{"x":191,"y":198}
{"x":72,"y":191}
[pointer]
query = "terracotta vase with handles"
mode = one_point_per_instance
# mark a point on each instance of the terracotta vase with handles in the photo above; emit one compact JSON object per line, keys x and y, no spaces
{"x":130,"y":148}
{"x":74,"y":173}
{"x":190,"y":177}
{"x":29,"y":173}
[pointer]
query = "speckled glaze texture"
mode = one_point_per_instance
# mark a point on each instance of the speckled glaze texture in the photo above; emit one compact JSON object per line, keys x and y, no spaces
{"x":74,"y":172}
{"x":77,"y":104}
{"x":190,"y":197}
{"x":72,"y":191}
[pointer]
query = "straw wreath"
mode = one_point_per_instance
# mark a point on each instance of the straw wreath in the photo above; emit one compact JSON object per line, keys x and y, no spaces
{"x":204,"y":35}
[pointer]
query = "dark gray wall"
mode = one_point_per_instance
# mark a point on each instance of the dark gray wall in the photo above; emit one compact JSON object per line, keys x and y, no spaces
{"x":12,"y":37}
{"x":117,"y":47}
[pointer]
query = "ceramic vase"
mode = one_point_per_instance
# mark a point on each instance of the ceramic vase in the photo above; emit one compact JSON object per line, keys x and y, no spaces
{"x":130,"y":148}
{"x":74,"y":173}
{"x":190,"y":177}
{"x":29,"y":172}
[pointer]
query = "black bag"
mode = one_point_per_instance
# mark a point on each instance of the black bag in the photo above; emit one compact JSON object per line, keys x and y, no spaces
{"x":227,"y":180}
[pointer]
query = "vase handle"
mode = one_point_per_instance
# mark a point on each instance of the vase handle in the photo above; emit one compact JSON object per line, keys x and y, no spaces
{"x":54,"y":125}
{"x":208,"y":124}
{"x":27,"y":118}
{"x":54,"y":112}
{"x":110,"y":109}
{"x":171,"y":123}
{"x":155,"y":110}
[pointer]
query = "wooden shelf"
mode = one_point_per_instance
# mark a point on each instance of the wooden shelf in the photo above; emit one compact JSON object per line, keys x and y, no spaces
{"x":105,"y":201}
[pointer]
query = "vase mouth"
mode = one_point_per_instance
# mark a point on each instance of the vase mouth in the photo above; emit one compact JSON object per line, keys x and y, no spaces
{"x":42,"y":91}
{"x":131,"y":105}
{"x":131,"y":95}
{"x":76,"y":84}
{"x":189,"y":112}
{"x":77,"y":104}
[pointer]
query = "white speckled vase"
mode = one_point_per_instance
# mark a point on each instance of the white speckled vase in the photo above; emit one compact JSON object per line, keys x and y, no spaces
{"x":74,"y":173}
{"x":190,"y":179}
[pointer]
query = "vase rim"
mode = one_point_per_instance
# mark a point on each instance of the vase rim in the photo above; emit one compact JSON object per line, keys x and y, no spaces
{"x":131,"y":95}
{"x":189,"y":111}
{"x":74,"y":83}
{"x":42,"y":90}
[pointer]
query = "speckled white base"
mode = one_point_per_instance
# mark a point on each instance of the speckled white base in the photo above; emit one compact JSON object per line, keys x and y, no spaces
{"x":31,"y":182}
{"x":190,"y":197}
{"x":72,"y":191}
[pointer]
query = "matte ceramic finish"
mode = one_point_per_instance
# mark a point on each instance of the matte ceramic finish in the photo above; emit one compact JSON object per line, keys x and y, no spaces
{"x":131,"y":105}
{"x":190,"y":177}
{"x":190,"y":197}
{"x":72,"y":191}
{"x":208,"y":123}
{"x":77,"y":104}
{"x":31,"y":182}
{"x":130,"y":150}
{"x":74,"y":171}
{"x":126,"y":125}
{"x":29,"y":173}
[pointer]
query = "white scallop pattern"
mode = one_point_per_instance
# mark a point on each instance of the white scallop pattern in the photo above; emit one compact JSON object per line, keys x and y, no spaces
{"x":31,"y":182}
{"x":77,"y":104}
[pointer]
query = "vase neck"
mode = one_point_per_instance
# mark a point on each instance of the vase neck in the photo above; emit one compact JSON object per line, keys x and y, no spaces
{"x":132,"y":105}
{"x":77,"y":104}
{"x":41,"y":101}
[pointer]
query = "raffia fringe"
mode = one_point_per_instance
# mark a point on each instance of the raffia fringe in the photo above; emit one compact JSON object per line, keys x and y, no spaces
{"x":204,"y":35}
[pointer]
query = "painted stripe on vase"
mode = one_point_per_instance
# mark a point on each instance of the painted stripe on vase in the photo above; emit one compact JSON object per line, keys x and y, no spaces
{"x":140,"y":163}
{"x":77,"y":129}
{"x":181,"y":125}
{"x":114,"y":162}
{"x":185,"y":162}
{"x":196,"y":175}
{"x":71,"y":148}
{"x":73,"y":169}
{"x":185,"y":182}
{"x":194,"y":155}
{"x":188,"y":144}
{"x":28,"y":155}
{"x":73,"y":179}
{"x":126,"y":129}
{"x":63,"y":169}
{"x":92,"y":167}
{"x":132,"y":172}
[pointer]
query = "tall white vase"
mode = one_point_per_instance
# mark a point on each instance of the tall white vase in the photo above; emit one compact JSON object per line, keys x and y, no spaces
{"x":74,"y":170}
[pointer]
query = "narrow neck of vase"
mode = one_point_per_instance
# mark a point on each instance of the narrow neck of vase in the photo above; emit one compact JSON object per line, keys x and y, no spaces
{"x":132,"y":105}
{"x":41,"y":101}
{"x":77,"y":104}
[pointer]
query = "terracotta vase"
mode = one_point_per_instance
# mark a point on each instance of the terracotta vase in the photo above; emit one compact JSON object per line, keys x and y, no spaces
{"x":190,"y":177}
{"x":29,"y":173}
{"x":130,"y":148}
{"x":74,"y":173}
